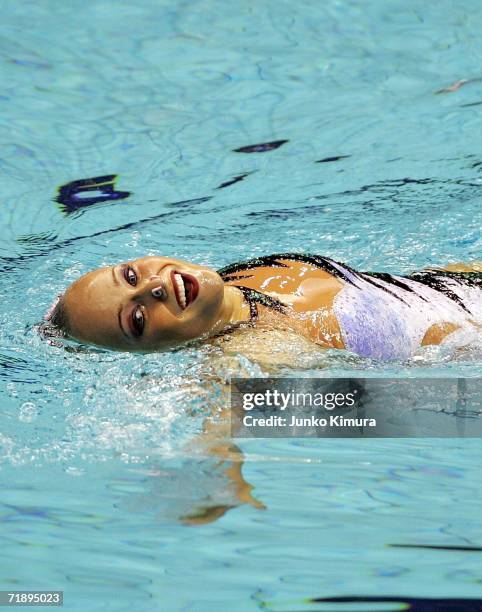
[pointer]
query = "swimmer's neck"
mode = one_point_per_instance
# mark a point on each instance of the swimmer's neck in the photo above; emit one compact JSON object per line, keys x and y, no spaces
{"x":234,"y":309}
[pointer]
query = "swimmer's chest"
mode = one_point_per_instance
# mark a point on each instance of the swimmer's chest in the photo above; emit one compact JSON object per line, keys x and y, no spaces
{"x":308,"y":291}
{"x":303,"y":286}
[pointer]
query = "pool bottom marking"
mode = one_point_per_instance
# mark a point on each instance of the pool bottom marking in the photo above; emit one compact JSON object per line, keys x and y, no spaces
{"x":86,"y":192}
{"x":439,"y":547}
{"x":414,"y":604}
{"x":334,"y":158}
{"x":262,"y":147}
{"x":234,"y":180}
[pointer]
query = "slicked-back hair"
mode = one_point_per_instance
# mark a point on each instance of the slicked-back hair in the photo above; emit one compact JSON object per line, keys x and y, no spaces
{"x":56,"y":322}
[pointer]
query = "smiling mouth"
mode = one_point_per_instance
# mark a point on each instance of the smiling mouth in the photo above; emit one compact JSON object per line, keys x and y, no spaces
{"x":186,"y":288}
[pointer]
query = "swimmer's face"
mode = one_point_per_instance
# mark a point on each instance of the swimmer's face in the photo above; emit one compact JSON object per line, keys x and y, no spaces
{"x":152,"y":303}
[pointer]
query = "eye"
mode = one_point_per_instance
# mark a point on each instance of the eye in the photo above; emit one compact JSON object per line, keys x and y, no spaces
{"x":137,"y":321}
{"x":130,"y":275}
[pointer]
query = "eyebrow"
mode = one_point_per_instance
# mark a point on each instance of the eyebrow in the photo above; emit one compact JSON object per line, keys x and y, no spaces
{"x":119,"y":318}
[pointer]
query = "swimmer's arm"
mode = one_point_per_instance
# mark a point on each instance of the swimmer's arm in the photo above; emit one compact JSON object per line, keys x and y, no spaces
{"x":208,"y":514}
{"x":474,"y":266}
{"x":213,"y":441}
{"x":437,"y":333}
{"x":215,"y":438}
{"x":272,"y":349}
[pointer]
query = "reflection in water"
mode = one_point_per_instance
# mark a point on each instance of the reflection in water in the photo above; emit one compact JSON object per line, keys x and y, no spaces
{"x":457,"y":85}
{"x":194,"y":490}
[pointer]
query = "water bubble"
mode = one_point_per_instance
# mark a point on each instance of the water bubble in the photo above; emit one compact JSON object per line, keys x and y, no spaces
{"x":12,"y":389}
{"x":28,"y":412}
{"x":74,"y":471}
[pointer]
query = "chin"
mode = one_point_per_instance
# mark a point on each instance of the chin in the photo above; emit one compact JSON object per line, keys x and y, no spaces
{"x":211,"y":291}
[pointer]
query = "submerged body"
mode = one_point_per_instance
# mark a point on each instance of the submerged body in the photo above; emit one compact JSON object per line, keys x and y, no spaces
{"x":374,"y":315}
{"x":156,"y":303}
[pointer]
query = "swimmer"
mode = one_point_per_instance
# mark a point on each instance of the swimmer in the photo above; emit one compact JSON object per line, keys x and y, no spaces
{"x":267,"y":308}
{"x":159,"y":303}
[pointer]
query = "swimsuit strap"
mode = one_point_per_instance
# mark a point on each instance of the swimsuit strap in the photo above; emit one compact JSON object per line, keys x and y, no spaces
{"x":437,"y":279}
{"x":253,"y":308}
{"x":255,"y":298}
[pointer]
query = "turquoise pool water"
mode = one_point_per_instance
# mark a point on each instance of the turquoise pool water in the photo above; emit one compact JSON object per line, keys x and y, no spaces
{"x":97,"y":461}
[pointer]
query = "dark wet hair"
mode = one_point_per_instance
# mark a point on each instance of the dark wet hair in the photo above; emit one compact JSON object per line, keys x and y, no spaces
{"x":56,"y":322}
{"x":56,"y":329}
{"x":58,"y":317}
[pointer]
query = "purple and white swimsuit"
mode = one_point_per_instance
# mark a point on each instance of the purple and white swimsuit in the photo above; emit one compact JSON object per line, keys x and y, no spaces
{"x":380,"y":315}
{"x":387,"y":319}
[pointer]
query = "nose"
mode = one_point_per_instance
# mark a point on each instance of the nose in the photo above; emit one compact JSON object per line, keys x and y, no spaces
{"x":155,"y":287}
{"x":159,"y":293}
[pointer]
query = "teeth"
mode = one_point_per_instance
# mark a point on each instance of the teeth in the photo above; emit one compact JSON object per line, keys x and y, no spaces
{"x":181,"y":289}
